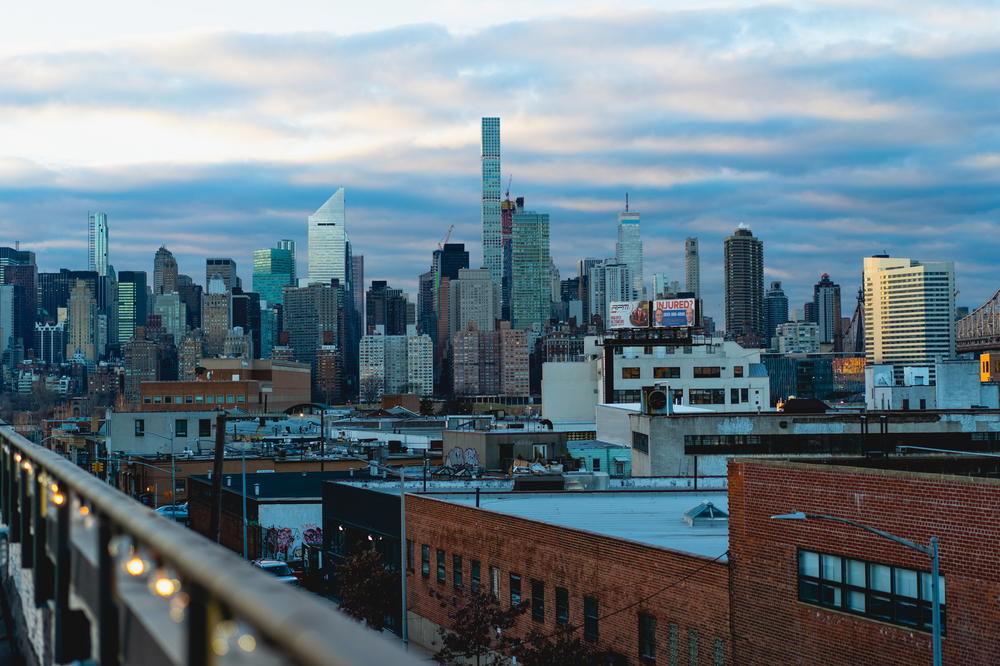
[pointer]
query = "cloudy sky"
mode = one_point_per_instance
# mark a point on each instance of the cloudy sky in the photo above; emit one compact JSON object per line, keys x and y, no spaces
{"x":834,"y":130}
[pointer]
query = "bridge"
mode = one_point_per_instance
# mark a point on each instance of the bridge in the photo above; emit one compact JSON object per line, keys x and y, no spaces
{"x":91,"y":576}
{"x":979,"y":331}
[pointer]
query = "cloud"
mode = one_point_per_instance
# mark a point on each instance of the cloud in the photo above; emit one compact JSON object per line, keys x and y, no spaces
{"x":835,"y":132}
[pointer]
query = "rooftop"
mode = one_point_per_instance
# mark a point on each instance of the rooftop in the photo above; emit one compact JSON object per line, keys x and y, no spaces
{"x":971,"y":465}
{"x":653,"y":518}
{"x":281,"y":485}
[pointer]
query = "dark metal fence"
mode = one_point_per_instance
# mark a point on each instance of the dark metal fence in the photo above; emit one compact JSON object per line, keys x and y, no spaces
{"x":106,"y":579}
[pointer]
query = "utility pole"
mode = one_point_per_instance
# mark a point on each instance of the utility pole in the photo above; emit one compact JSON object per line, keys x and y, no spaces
{"x":220,"y":452}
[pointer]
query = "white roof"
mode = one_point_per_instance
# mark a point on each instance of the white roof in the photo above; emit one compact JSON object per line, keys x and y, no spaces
{"x":654,"y":518}
{"x":636,"y":407}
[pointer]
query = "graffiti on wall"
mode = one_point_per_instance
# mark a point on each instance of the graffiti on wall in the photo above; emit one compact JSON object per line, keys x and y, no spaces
{"x":285,"y":543}
{"x":459,"y":458}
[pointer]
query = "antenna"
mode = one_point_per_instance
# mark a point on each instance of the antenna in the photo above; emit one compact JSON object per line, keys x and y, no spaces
{"x":626,"y":202}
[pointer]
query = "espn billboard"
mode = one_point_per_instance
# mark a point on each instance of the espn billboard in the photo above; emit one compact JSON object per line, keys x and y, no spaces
{"x":674,"y":312}
{"x":628,"y":314}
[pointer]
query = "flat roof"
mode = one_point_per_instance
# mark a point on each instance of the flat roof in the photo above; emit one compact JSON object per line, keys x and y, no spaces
{"x":653,"y":518}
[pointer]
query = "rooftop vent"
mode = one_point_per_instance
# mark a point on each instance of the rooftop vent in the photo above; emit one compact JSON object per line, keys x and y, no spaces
{"x":705,"y":513}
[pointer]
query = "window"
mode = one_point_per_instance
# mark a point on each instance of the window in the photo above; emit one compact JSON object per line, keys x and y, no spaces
{"x":178,"y":399}
{"x":209,"y":399}
{"x":199,"y":399}
{"x":537,"y":600}
{"x":140,"y":427}
{"x":737,"y":371}
{"x":230,"y":399}
{"x":664,"y":372}
{"x":892,"y":594}
{"x":337,"y":540}
{"x":906,"y":404}
{"x":630,"y":373}
{"x":188,"y":400}
{"x":590,"y":618}
{"x":220,"y":399}
{"x":425,"y":560}
{"x":495,"y":582}
{"x":647,"y":639}
{"x":146,"y":400}
{"x":441,"y":568}
{"x":157,"y":399}
{"x":923,"y":403}
{"x":673,"y":640}
{"x":744,"y":395}
{"x":168,"y":399}
{"x":474,"y":576}
{"x":241,"y":398}
{"x":707,"y":396}
{"x":180,"y":427}
{"x":595,"y":465}
{"x":562,"y":606}
{"x":640,"y":441}
{"x":734,"y":396}
{"x":515,"y":589}
{"x":707,"y":372}
{"x":693,"y":647}
{"x":409,"y":554}
{"x":456,"y":570}
{"x":204,"y":427}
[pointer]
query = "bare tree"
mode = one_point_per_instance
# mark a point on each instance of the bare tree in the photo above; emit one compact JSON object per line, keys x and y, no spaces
{"x":366,"y":588}
{"x":369,"y":390}
{"x":479,"y":630}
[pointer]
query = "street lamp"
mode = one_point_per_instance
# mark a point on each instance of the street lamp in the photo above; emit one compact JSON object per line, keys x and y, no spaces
{"x":931,"y":550}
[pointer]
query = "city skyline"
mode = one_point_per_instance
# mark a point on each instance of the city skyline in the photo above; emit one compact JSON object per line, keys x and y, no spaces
{"x":870,"y":137}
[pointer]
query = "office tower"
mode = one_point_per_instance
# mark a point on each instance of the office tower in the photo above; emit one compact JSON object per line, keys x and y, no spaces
{"x":386,"y":307}
{"x":555,"y":282}
{"x":420,"y":364}
{"x":583,"y":273}
{"x":97,"y":243}
{"x":426,"y":312}
{"x":82,"y":317}
{"x":273,"y":270}
{"x":190,"y":351}
{"x":394,"y":364}
{"x":492,"y":231}
{"x":514,"y":360}
{"x":797,"y":337}
{"x":908,"y":311}
{"x":490,"y":362}
{"x":50,"y":342}
{"x":327,"y":380}
{"x":507,"y":210}
{"x":224,"y":269}
{"x":18,"y":268}
{"x":54,"y":289}
{"x":775,"y":309}
{"x":531,"y":265}
{"x":141,"y":358}
{"x":289,"y":246}
{"x":692,"y":267}
{"x":307,"y":313}
{"x":664,"y":287}
{"x":164,"y":272}
{"x":237,"y":344}
{"x":8,"y":306}
{"x":246,"y":315}
{"x":449,"y":260}
{"x":474,"y":298}
{"x":744,"y":273}
{"x":173,"y":315}
{"x":328,"y":240}
{"x":358,"y":285}
{"x":628,"y":249}
{"x":190,"y":294}
{"x":270,"y":327}
{"x":608,"y":281}
{"x":216,"y":316}
{"x":131,"y":303}
{"x":826,"y":302}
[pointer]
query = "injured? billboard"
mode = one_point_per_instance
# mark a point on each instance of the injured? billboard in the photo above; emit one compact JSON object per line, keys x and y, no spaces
{"x":672,"y":312}
{"x":628,"y":314}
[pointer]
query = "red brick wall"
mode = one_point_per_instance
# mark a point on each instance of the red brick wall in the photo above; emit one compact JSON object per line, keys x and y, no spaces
{"x":617,"y":572}
{"x":771,"y":626}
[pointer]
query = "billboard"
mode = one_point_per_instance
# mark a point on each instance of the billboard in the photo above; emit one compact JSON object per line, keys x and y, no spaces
{"x":674,"y":312}
{"x":628,"y":314}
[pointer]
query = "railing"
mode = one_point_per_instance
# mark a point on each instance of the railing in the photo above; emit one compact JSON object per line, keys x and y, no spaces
{"x":106,"y":580}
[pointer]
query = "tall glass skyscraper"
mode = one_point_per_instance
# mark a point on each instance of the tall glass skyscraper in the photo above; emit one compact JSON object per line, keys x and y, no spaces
{"x":692,"y":267}
{"x":328,"y":254}
{"x":492,"y":230}
{"x":744,"y":272}
{"x":131,"y":303}
{"x":531,"y":270}
{"x":628,"y":249}
{"x":97,"y":243}
{"x":273,"y":270}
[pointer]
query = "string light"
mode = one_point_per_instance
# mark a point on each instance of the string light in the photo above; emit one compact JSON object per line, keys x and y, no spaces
{"x":58,"y":499}
{"x":135,"y":566}
{"x":164,"y":586}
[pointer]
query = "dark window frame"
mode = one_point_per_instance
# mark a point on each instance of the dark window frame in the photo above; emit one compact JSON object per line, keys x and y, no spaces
{"x":180,"y":427}
{"x":475,"y":575}
{"x":537,"y":600}
{"x":514,"y":581}
{"x":456,"y":570}
{"x":879,"y":605}
{"x":647,"y":638}
{"x":591,"y":617}
{"x":442,"y":566}
{"x":425,"y":560}
{"x":562,"y":606}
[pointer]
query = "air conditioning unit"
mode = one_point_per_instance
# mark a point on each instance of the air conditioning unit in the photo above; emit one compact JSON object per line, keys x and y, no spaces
{"x":656,"y":400}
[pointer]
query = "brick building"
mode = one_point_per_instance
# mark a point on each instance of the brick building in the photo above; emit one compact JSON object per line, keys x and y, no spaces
{"x":817,"y":591}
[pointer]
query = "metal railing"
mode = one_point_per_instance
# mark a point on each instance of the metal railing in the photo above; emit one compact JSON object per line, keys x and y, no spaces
{"x":122,"y":585}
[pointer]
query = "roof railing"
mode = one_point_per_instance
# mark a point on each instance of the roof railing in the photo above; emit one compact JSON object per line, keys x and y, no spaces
{"x":64,"y":520}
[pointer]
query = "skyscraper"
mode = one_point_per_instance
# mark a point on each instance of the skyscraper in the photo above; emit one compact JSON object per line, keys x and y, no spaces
{"x":909,"y":310}
{"x":358,"y":286}
{"x":328,"y":240}
{"x":289,"y":245}
{"x":583,"y":273}
{"x":531,"y":270}
{"x":775,"y":309}
{"x":474,"y":298}
{"x":608,"y":281}
{"x":628,"y":249}
{"x":273,"y":270}
{"x":692,"y":267}
{"x":164,"y":272}
{"x":82,"y":317}
{"x":826,"y":303}
{"x":223,"y":268}
{"x":97,"y":243}
{"x":386,"y":307}
{"x":131,"y":303}
{"x":492,"y":231}
{"x":744,"y":271}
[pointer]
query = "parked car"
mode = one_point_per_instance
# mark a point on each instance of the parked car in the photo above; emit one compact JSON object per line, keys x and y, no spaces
{"x":178,"y":513}
{"x":279,"y":569}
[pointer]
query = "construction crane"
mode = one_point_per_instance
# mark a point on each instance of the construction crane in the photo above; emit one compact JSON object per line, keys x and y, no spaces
{"x":506,"y":195}
{"x":447,"y":237}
